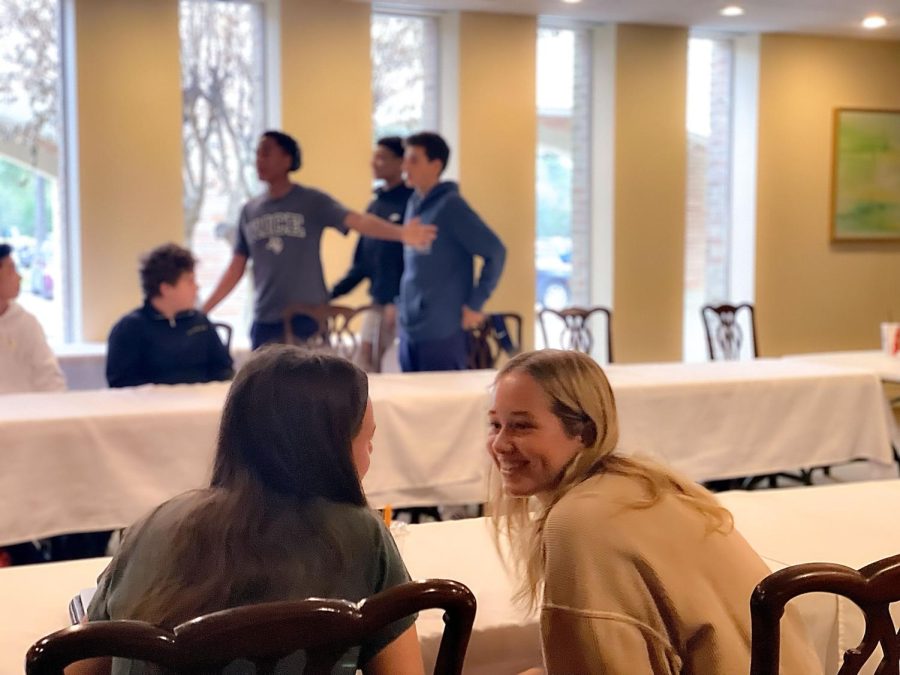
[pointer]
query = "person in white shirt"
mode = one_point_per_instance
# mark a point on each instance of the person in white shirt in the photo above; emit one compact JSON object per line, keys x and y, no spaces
{"x":26,"y":361}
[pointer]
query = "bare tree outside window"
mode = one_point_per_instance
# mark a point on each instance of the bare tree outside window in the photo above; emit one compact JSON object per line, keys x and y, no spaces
{"x":404,"y":74}
{"x":223,"y":89}
{"x":30,"y":155}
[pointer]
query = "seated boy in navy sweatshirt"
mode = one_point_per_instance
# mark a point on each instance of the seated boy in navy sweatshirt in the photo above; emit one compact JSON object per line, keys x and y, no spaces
{"x":166,"y":341}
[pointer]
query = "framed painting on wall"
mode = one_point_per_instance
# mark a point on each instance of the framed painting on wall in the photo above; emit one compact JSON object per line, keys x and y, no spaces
{"x":865,"y":189}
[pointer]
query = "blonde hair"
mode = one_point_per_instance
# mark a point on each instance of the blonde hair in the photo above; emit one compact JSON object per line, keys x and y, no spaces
{"x":581,"y":398}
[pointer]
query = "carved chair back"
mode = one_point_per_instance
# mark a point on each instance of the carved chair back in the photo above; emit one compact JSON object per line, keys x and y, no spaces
{"x":266,"y":633}
{"x":873,"y":588}
{"x":726,"y":333}
{"x":575,"y":328}
{"x":488,"y":341}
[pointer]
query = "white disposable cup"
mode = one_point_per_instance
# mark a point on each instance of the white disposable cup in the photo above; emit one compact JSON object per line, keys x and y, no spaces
{"x":890,"y":338}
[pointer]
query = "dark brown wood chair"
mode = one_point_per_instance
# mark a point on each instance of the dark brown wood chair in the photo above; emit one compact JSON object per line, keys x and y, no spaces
{"x":225,"y":332}
{"x":575,"y":327}
{"x":337,"y":330}
{"x":486,"y":342}
{"x":126,"y":639}
{"x":724,"y":335}
{"x":873,"y":588}
{"x":266,"y":633}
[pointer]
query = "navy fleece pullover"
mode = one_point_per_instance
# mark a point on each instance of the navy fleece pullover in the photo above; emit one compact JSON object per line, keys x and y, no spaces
{"x":438,"y":280}
{"x":379,"y":261}
{"x":147,"y":348}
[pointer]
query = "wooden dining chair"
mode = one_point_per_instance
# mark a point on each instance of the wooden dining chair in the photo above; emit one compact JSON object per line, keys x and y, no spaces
{"x":266,"y":633}
{"x":499,"y":333}
{"x":576,"y":332}
{"x":225,"y":332}
{"x":872,"y":588}
{"x":97,"y":639}
{"x":725,"y":336}
{"x":337,"y":328}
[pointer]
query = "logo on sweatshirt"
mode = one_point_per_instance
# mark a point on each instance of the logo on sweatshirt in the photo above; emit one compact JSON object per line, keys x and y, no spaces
{"x":274,"y":227}
{"x":275,"y":244}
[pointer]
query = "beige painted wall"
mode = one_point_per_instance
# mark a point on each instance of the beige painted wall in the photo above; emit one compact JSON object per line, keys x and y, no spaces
{"x":327,"y":104}
{"x":649,"y":192}
{"x":497,"y":132}
{"x":812,"y":295}
{"x":129,"y":139}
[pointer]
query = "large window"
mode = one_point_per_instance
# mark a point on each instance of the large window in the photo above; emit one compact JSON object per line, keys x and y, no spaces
{"x":709,"y":226}
{"x":563,"y":168}
{"x":223,"y":91}
{"x":31,"y":158}
{"x":404,"y":74}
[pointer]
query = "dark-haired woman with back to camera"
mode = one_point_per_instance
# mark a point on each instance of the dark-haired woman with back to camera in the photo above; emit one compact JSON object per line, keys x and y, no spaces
{"x":637,"y":570}
{"x":284,"y":517}
{"x":281,"y":229}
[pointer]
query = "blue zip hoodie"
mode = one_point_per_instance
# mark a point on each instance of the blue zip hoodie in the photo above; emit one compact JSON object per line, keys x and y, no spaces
{"x":438,"y":280}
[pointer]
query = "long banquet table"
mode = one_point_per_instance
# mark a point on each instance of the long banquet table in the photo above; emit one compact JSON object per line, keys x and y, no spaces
{"x":886,"y":367}
{"x":743,"y":418}
{"x":87,"y":460}
{"x":844,"y":523}
{"x":95,"y":460}
{"x":84,"y":363}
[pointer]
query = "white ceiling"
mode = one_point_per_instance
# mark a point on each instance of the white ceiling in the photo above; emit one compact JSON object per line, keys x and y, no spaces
{"x":829,"y":17}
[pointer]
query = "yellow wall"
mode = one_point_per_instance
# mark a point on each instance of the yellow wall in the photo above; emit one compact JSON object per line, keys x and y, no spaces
{"x":327,"y":104}
{"x":129,"y":141}
{"x":812,"y":295}
{"x":497,"y":137}
{"x":649,"y":192}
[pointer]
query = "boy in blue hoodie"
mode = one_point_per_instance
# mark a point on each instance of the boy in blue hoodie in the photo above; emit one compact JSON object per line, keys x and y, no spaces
{"x":439,"y":298}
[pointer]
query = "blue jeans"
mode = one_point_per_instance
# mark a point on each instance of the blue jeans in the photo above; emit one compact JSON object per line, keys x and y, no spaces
{"x":448,"y":353}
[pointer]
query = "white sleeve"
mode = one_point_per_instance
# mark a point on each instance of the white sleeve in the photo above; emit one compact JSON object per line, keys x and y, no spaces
{"x":45,"y":371}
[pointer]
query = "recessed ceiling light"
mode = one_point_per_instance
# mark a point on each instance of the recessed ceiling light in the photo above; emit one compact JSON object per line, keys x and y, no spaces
{"x":571,"y":2}
{"x":731,"y":10}
{"x":874,"y":21}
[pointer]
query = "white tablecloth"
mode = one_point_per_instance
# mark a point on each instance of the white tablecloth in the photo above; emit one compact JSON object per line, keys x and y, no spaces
{"x":92,"y":460}
{"x":99,"y":459}
{"x":886,"y":367}
{"x":743,"y":418}
{"x":84,"y":363}
{"x":844,"y":524}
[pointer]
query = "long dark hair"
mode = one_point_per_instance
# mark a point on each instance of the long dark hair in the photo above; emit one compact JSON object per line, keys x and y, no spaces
{"x":284,"y":452}
{"x":288,"y":424}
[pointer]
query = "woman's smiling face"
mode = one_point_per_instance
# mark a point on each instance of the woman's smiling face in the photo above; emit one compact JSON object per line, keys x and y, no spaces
{"x":526,"y":440}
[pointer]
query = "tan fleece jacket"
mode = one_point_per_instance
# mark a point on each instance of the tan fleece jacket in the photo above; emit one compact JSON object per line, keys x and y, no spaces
{"x":632,"y":591}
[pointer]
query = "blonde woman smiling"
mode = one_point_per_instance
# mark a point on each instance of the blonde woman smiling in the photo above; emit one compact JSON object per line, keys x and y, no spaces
{"x":636,"y":569}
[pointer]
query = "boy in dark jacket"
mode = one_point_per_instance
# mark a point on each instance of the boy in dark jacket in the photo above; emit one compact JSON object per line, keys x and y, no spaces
{"x":380,"y":261}
{"x":439,"y":298}
{"x":166,"y":341}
